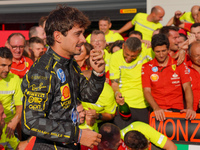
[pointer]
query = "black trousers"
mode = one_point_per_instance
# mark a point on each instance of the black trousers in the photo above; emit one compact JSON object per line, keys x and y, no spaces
{"x":136,"y":115}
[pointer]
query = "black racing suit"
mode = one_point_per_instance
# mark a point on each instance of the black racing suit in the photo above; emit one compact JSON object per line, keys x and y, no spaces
{"x":51,"y":88}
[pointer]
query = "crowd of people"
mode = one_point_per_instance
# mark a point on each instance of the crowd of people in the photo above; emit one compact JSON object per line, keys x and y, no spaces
{"x":61,"y":90}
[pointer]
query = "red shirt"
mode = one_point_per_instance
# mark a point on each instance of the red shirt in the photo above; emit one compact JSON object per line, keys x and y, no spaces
{"x":22,"y":67}
{"x":122,"y":146}
{"x":87,"y":148}
{"x":187,"y":26}
{"x":166,"y":82}
{"x":195,"y":83}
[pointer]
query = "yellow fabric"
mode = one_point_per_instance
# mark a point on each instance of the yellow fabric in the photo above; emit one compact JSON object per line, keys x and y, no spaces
{"x":106,"y":102}
{"x":9,"y":144}
{"x":149,"y":132}
{"x":107,"y":59}
{"x":93,"y":128}
{"x":187,"y":17}
{"x":129,"y":75}
{"x":10,"y":95}
{"x":144,"y":26}
{"x":110,"y":37}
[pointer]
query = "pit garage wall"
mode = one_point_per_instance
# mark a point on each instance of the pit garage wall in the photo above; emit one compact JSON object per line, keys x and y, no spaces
{"x":170,"y":6}
{"x":29,"y":11}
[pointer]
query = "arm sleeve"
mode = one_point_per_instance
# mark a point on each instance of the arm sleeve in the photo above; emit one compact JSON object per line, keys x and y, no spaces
{"x":90,"y":90}
{"x":38,"y":96}
{"x":134,"y":19}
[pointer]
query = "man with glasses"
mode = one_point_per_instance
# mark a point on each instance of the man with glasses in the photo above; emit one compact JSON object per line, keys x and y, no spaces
{"x":98,"y":41}
{"x":20,"y":64}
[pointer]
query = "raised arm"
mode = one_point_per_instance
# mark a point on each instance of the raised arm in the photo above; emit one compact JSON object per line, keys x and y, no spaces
{"x":126,"y":27}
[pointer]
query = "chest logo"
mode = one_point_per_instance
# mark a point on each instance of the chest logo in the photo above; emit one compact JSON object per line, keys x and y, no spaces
{"x":155,"y":69}
{"x":65,"y":92}
{"x":154,"y":77}
{"x":174,"y":75}
{"x":174,"y":67}
{"x":61,"y":75}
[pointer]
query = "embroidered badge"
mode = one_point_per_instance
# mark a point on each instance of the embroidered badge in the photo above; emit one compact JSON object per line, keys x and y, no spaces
{"x":61,"y":75}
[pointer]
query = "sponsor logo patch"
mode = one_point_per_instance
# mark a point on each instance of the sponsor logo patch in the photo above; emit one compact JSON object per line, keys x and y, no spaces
{"x":154,"y":77}
{"x":155,"y":69}
{"x":61,"y":75}
{"x":65,"y":96}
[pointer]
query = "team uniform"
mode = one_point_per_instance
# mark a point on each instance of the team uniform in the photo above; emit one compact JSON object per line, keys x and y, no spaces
{"x":166,"y":82}
{"x":22,"y":67}
{"x":110,"y":37}
{"x":187,"y":17}
{"x":149,"y":132}
{"x":51,"y":88}
{"x":144,"y":26}
{"x":105,"y":104}
{"x":195,"y":84}
{"x":10,"y":96}
{"x":129,"y":75}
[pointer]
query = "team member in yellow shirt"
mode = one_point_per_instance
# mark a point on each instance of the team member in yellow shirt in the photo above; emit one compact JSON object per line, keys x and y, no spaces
{"x":105,"y":107}
{"x":145,"y":23}
{"x":125,"y":75}
{"x":138,"y":134}
{"x":11,"y":98}
{"x":104,"y":26}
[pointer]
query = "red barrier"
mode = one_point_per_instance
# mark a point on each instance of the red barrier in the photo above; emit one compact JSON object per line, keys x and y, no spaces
{"x":177,"y":128}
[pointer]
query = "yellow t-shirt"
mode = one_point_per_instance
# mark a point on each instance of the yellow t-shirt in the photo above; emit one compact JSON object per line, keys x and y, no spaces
{"x":144,"y":26}
{"x":129,"y":75}
{"x":106,"y":102}
{"x":149,"y":132}
{"x":187,"y":17}
{"x":10,"y":95}
{"x":110,"y":37}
